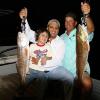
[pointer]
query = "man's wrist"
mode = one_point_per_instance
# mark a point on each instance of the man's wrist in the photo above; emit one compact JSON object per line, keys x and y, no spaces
{"x":86,"y":15}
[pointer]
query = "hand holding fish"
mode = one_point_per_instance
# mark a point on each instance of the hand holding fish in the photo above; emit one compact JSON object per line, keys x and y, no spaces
{"x":23,"y":13}
{"x":85,"y":8}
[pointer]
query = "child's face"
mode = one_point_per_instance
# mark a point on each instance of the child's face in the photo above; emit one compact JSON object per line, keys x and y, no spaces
{"x":43,"y":37}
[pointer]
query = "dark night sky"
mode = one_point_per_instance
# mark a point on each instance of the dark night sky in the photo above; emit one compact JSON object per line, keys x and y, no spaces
{"x":40,"y":11}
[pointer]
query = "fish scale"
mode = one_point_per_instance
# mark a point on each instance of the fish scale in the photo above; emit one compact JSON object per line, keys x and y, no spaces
{"x":82,"y":49}
{"x":22,"y":54}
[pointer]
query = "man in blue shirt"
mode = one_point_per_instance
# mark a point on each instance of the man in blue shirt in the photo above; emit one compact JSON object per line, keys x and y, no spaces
{"x":69,"y":37}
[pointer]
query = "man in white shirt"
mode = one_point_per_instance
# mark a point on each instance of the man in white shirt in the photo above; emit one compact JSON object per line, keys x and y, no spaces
{"x":56,"y":71}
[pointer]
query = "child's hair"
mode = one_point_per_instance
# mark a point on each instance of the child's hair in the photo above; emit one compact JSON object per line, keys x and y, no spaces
{"x":39,"y":31}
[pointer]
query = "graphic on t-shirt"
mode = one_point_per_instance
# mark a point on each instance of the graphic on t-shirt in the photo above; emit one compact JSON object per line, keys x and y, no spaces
{"x":40,"y":54}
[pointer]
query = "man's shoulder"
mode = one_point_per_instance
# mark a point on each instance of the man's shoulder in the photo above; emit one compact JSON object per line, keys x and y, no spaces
{"x":48,"y":44}
{"x":62,"y":34}
{"x":60,"y":40}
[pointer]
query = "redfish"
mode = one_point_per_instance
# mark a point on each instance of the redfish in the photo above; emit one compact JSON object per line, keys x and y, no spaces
{"x":22,"y":55}
{"x":82,"y":49}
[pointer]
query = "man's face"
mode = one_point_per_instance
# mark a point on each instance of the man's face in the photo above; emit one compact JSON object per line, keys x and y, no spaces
{"x":70,"y":24}
{"x":53,"y":28}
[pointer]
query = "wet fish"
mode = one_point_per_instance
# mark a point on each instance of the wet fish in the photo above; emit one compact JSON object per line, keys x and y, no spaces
{"x":23,"y":56}
{"x":82,"y":49}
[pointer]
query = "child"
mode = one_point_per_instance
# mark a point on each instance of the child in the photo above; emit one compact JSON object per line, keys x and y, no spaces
{"x":40,"y":52}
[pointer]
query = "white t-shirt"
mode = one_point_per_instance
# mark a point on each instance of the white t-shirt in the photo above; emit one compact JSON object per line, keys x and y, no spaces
{"x":37,"y":51}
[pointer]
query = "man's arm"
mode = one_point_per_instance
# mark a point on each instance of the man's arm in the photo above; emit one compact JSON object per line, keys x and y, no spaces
{"x":90,"y":25}
{"x":28,"y":31}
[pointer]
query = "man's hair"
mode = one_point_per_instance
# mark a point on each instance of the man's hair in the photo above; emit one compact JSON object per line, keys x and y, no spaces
{"x":72,"y":14}
{"x":41,"y":30}
{"x":53,"y":20}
